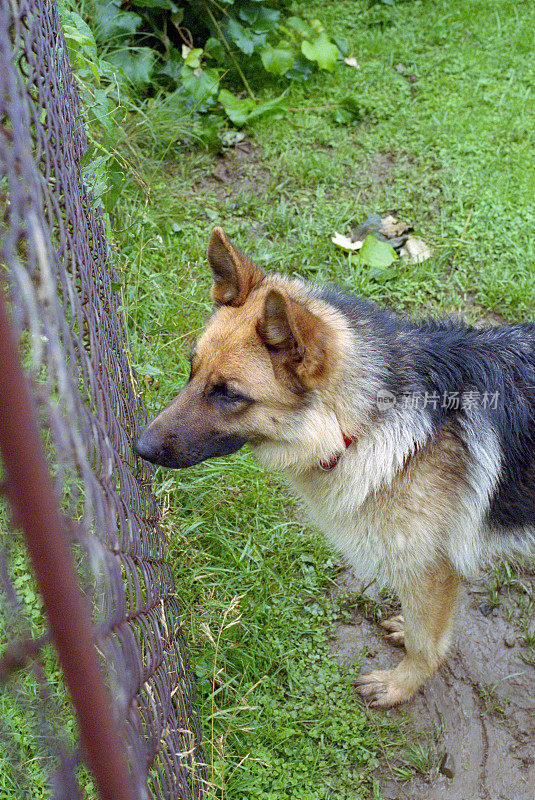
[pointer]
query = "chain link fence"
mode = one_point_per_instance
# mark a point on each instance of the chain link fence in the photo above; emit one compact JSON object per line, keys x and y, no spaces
{"x":57,"y":280}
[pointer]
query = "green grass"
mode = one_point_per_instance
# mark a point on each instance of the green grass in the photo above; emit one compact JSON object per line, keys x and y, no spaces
{"x":280,"y":717}
{"x":446,"y":144}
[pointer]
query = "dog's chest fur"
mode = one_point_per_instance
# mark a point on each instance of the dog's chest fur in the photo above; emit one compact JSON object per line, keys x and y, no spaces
{"x":396,"y":505}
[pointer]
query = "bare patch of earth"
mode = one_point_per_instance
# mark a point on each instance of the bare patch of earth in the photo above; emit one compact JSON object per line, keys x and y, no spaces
{"x":481,"y":701}
{"x":237,"y":170}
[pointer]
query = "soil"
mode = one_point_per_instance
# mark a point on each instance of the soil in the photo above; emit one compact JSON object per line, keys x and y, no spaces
{"x":480,"y":701}
{"x":237,"y":171}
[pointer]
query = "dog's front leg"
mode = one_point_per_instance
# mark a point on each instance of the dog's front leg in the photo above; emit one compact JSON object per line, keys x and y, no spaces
{"x":428,"y":604}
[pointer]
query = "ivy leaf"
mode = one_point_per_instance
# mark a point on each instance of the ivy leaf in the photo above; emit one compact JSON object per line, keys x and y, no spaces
{"x":301,"y":69}
{"x":200,"y":83}
{"x":247,"y":40}
{"x":277,"y":60}
{"x":173,"y":65}
{"x":376,"y":254}
{"x":301,"y":26}
{"x":275,"y":106}
{"x":193,"y":57}
{"x":112,"y":23}
{"x":214,"y":49}
{"x":135,"y":63}
{"x":237,"y":110}
{"x":323,"y":51}
{"x":242,"y":111}
{"x":259,"y":18}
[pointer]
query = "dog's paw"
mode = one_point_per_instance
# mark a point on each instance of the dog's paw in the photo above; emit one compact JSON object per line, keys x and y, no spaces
{"x":396,"y":626}
{"x":383,"y":689}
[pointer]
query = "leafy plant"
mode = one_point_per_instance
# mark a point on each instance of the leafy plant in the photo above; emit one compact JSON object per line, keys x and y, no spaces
{"x":191,"y":49}
{"x":379,"y":257}
{"x":103,"y":167}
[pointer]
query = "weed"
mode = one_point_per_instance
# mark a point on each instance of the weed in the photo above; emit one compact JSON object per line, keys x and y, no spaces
{"x":373,"y":609}
{"x":493,"y":702}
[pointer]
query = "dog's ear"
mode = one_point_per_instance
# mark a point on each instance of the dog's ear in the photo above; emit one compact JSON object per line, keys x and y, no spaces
{"x":295,"y":336}
{"x":235,"y":275}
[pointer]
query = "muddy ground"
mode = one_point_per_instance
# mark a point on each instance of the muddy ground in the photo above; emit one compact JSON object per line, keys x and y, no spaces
{"x":478,"y":713}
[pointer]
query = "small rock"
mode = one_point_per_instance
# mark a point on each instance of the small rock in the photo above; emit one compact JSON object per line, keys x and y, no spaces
{"x":509,"y":639}
{"x":447,"y":765}
{"x":485,"y":609}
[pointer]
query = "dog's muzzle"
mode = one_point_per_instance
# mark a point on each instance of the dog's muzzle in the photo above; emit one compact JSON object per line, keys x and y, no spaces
{"x":177,"y":453}
{"x":150,"y":448}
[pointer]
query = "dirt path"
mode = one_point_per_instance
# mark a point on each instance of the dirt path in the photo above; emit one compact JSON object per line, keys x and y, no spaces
{"x":482,"y":700}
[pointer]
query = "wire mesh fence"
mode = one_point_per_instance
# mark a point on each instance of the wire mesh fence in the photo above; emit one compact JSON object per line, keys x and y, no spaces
{"x":58,"y":282}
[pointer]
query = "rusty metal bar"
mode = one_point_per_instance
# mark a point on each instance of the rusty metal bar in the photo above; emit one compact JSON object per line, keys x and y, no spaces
{"x":37,"y":511}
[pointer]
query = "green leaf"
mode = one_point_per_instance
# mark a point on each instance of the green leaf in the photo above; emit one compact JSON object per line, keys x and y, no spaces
{"x":112,"y":23}
{"x":275,"y":106}
{"x":173,"y":66}
{"x":81,"y":44}
{"x":341,"y":44}
{"x":102,"y":111}
{"x":237,"y":110}
{"x":148,"y":369}
{"x":165,"y":5}
{"x":342,"y":116}
{"x":200,"y":83}
{"x":301,"y":69}
{"x":116,"y":182}
{"x":106,"y":70}
{"x":215,"y":49}
{"x":135,"y":63}
{"x":247,"y":40}
{"x":259,"y":18}
{"x":277,"y":60}
{"x":323,"y":51}
{"x":176,"y":18}
{"x":376,"y":254}
{"x":350,"y":110}
{"x":193,"y":59}
{"x":242,"y":111}
{"x":75,"y":34}
{"x":301,"y":26}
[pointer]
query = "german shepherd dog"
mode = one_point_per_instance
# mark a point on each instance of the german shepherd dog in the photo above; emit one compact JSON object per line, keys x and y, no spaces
{"x":411,"y":445}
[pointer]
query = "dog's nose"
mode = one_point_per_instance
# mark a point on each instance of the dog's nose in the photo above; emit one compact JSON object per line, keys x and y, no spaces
{"x":149,"y":447}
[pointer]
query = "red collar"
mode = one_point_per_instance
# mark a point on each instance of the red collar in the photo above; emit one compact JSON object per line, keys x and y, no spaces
{"x":328,"y":465}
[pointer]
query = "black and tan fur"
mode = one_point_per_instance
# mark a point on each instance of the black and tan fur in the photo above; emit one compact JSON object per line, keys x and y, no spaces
{"x":421,"y":495}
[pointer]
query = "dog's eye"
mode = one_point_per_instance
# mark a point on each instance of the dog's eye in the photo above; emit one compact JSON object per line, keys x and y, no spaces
{"x":223,"y":393}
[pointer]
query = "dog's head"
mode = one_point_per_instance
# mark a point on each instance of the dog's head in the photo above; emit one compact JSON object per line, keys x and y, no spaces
{"x":266,"y":350}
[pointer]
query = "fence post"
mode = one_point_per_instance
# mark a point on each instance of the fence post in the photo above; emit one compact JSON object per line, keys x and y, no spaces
{"x":36,"y":510}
